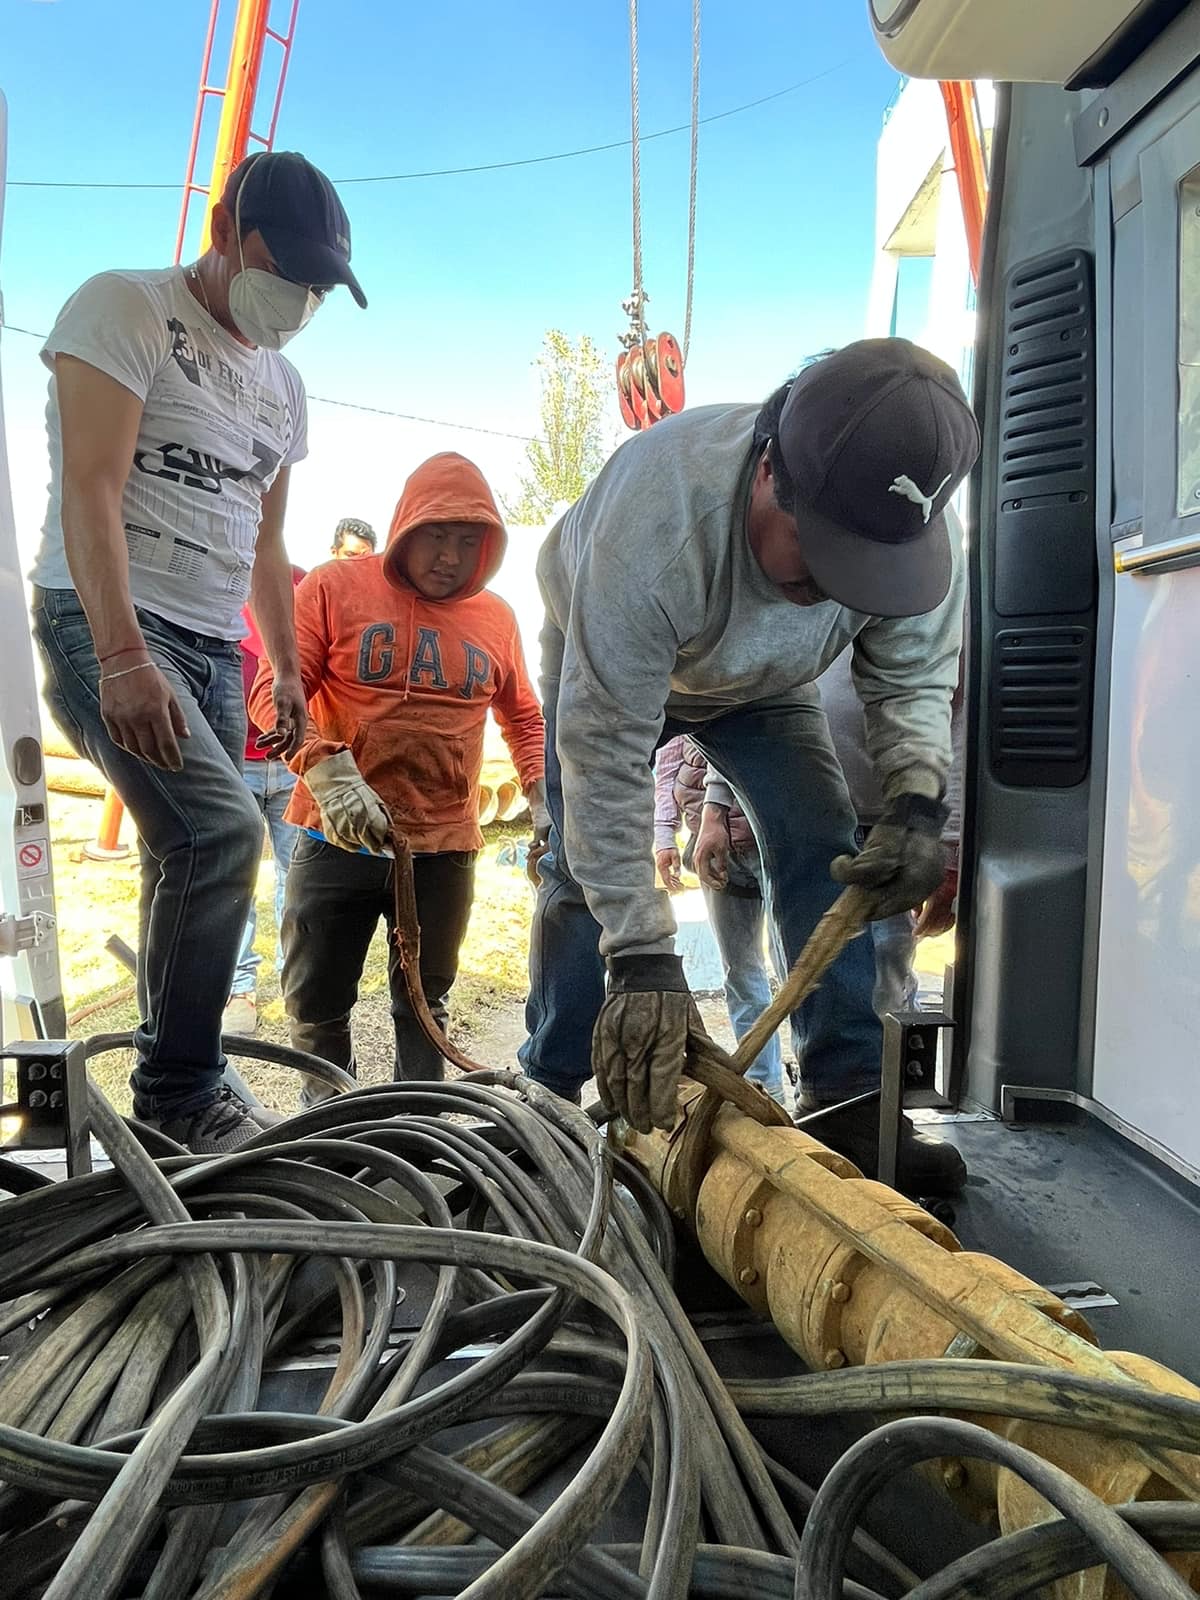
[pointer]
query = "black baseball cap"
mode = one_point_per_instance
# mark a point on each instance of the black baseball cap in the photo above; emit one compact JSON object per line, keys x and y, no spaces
{"x":296,"y":209}
{"x":876,"y":438}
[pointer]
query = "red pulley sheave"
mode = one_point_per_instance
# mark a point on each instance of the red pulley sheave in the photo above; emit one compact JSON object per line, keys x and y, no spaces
{"x":650,"y":381}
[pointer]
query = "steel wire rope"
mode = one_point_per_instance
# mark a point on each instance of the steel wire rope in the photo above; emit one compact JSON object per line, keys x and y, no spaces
{"x":638,"y":302}
{"x":692,"y":173}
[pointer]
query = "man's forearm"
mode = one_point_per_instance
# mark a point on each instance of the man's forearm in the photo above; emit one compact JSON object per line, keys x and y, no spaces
{"x":906,"y":671}
{"x":98,"y":560}
{"x":271,"y":600}
{"x":607,"y":820}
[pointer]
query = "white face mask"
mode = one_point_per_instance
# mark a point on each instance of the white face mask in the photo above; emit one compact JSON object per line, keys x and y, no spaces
{"x":268,"y":310}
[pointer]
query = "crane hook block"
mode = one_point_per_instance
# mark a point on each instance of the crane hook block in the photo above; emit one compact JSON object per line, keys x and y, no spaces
{"x":650,"y":381}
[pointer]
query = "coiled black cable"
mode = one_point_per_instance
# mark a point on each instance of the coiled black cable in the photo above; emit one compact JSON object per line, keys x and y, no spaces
{"x":147,"y":1310}
{"x":352,"y":1190}
{"x":871,"y":1463}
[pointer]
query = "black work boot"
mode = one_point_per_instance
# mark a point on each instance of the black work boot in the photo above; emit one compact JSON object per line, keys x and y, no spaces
{"x":925,"y":1165}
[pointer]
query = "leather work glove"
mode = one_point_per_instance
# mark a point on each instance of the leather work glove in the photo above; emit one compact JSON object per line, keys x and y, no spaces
{"x":352,"y":815}
{"x":902,"y":860}
{"x":640,"y":1039}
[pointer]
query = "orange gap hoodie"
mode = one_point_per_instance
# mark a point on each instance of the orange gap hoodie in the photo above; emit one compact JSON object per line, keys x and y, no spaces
{"x":404,"y":682}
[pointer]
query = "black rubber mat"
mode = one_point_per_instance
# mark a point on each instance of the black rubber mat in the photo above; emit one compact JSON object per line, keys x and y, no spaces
{"x":1066,"y":1203}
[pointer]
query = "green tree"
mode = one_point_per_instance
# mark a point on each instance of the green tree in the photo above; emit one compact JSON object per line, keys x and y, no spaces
{"x":574,"y":442}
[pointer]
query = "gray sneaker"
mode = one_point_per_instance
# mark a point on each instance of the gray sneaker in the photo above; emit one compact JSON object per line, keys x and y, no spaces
{"x":263,"y":1115}
{"x":223,"y":1125}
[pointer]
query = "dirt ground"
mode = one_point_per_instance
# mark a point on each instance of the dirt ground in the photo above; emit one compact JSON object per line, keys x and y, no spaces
{"x":96,"y":899}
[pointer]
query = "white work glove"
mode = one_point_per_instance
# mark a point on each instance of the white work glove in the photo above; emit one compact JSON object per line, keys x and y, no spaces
{"x":352,"y":814}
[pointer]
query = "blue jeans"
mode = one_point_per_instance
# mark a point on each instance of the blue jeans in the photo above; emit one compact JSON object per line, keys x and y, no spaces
{"x":271,"y":784}
{"x":779,"y":759}
{"x":737,"y":923}
{"x":199,"y":834}
{"x":895,"y":951}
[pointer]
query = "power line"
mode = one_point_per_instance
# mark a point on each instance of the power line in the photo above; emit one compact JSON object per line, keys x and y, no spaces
{"x":490,"y":166}
{"x":437,"y":422}
{"x":354,"y":405}
{"x":615,"y":144}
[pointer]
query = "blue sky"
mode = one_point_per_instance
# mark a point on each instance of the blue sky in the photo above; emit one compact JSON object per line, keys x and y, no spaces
{"x":463,"y":273}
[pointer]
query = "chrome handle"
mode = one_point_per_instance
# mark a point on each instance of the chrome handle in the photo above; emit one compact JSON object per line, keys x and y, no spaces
{"x":1149,"y":556}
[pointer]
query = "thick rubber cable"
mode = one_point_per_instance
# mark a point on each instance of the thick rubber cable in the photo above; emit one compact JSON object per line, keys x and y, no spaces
{"x":875,"y":1460}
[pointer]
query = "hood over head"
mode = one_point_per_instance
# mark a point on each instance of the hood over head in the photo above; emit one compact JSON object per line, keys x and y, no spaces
{"x":446,"y":488}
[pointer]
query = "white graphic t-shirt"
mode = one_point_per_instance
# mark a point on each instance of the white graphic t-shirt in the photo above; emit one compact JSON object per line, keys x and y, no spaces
{"x":219,"y":419}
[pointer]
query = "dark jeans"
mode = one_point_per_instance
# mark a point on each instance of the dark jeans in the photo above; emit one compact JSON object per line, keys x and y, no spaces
{"x":199,"y":834}
{"x":779,"y":759}
{"x":332,"y":906}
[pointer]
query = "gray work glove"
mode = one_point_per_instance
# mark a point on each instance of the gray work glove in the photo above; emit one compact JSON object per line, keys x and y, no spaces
{"x":640,"y":1040}
{"x":352,"y":815}
{"x":902,"y":861}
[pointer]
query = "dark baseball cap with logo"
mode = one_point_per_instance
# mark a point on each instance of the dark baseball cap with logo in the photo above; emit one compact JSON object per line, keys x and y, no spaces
{"x":296,"y":209}
{"x":877,"y":437}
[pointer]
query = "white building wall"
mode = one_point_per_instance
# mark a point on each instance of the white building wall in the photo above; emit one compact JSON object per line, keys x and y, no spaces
{"x":915,"y":216}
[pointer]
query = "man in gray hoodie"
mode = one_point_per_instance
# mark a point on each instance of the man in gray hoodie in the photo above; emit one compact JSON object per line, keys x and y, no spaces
{"x":713,"y":570}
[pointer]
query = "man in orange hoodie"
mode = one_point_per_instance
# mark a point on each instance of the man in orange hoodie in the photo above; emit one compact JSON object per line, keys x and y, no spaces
{"x":401,"y":656}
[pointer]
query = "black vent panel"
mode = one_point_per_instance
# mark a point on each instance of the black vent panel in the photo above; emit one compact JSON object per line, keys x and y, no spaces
{"x":1041,"y":705}
{"x":1047,"y":427}
{"x":1045,"y":503}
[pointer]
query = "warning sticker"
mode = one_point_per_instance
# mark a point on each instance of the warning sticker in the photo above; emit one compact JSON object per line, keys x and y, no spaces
{"x":33,"y":858}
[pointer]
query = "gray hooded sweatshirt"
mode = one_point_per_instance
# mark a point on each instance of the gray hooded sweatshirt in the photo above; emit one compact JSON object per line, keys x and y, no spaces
{"x":656,"y":607}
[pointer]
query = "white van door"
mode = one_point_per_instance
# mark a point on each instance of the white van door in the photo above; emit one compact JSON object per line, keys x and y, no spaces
{"x":30,"y":985}
{"x":1146,"y":1063}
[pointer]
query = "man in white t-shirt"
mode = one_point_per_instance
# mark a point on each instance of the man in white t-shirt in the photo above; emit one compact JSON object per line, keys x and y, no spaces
{"x":173,"y":424}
